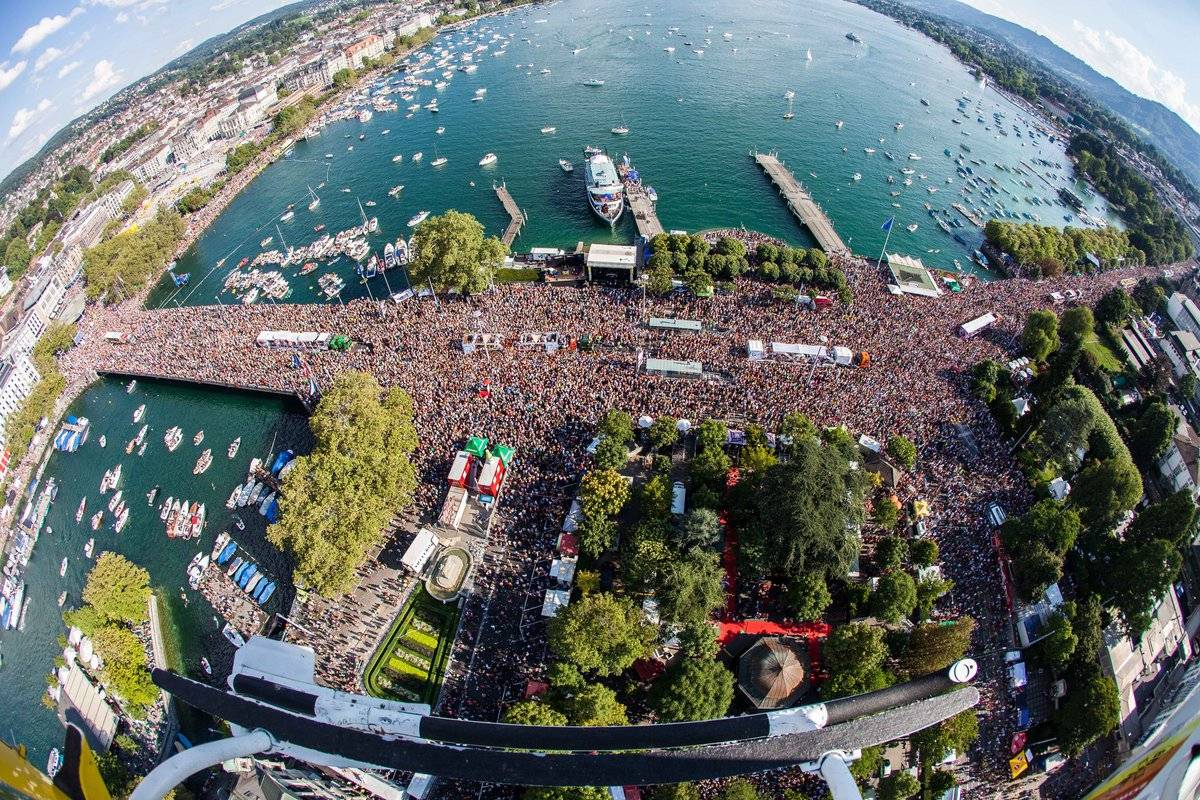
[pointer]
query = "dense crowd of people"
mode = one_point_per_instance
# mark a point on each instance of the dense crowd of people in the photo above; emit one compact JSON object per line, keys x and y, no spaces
{"x":545,"y":406}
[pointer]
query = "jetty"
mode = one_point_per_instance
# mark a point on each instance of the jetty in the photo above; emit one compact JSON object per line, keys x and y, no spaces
{"x":966,"y":212}
{"x":640,"y":205}
{"x":231,"y":602}
{"x":801,"y":203}
{"x":516,"y":217}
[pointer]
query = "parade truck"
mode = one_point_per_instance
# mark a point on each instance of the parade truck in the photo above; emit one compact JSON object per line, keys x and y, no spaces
{"x":845,"y":357}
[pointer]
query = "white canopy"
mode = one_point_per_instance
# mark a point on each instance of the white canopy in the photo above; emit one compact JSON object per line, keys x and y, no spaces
{"x":563,"y":569}
{"x":645,"y":421}
{"x":555,"y":599}
{"x":683,"y":426}
{"x":420,"y":551}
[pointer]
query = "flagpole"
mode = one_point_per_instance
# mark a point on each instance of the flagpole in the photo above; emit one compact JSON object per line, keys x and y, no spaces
{"x":883,"y":252}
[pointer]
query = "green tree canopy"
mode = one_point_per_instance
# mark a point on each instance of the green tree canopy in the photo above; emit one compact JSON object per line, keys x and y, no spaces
{"x":890,"y":551}
{"x":452,"y":253}
{"x":1171,"y":518}
{"x":611,"y":454}
{"x":700,"y":529}
{"x":1115,"y":306}
{"x":117,"y":589}
{"x":1092,"y":709}
{"x":854,"y":656}
{"x":534,"y":712}
{"x":616,"y":425}
{"x":1076,"y":325}
{"x":125,"y":670}
{"x":693,"y":689}
{"x":689,"y":588}
{"x":663,"y":433}
{"x":1056,"y":649}
{"x":601,"y":633}
{"x":711,"y":433}
{"x":1151,"y":434}
{"x":923,"y":552}
{"x":807,"y":596}
{"x":1039,"y":338}
{"x":603,"y":493}
{"x":739,"y":788}
{"x":1104,"y":491}
{"x":337,"y":500}
{"x":595,"y":705}
{"x":895,"y":597}
{"x":903,"y":450}
{"x":933,"y":646}
{"x":898,"y":786}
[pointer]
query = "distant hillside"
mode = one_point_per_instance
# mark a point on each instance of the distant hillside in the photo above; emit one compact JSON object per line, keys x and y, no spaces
{"x":1156,"y":123}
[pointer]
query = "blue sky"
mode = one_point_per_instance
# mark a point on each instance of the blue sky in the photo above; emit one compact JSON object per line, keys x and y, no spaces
{"x":59,"y":58}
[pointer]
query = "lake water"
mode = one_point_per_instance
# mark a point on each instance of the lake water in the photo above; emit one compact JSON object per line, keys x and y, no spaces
{"x":264,"y":423}
{"x":693,"y":121}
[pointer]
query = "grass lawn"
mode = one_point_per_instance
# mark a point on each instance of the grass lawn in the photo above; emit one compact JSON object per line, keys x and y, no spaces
{"x":404,"y":668}
{"x":422,"y":638}
{"x":443,"y":619}
{"x":1105,"y":357}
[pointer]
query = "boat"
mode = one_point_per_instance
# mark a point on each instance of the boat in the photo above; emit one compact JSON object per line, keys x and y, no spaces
{"x":266,"y":241}
{"x":838,"y":124}
{"x":198,"y":438}
{"x":203,"y":462}
{"x":233,"y":447}
{"x":441,"y":129}
{"x":869,"y":150}
{"x":549,"y":129}
{"x":235,"y":566}
{"x":90,"y":547}
{"x":566,"y":165}
{"x":97,"y":518}
{"x":150,"y":495}
{"x":173,"y":437}
{"x":116,"y":499}
{"x":62,"y":599}
{"x":913,"y":157}
{"x":287,"y":216}
{"x":122,"y":520}
{"x":315,"y":201}
{"x":439,"y":161}
{"x":488,"y":160}
{"x":605,"y":194}
{"x":396,"y":190}
{"x":131,"y":386}
{"x":247,"y":572}
{"x":82,"y":508}
{"x":252,"y":584}
{"x":139,"y":412}
{"x":73,"y":434}
{"x":852,"y":36}
{"x":265,"y":594}
{"x":204,"y":665}
{"x":622,"y":129}
{"x":418,"y":218}
{"x":808,"y":55}
{"x":396,"y":159}
{"x":196,"y":568}
{"x":362,"y":136}
{"x":912,"y":228}
{"x":226,"y":553}
{"x":417,"y":156}
{"x":55,"y":762}
{"x":857,"y":176}
{"x":62,"y":567}
{"x":103,"y":441}
{"x":593,"y":82}
{"x":789,"y":94}
{"x":233,"y":636}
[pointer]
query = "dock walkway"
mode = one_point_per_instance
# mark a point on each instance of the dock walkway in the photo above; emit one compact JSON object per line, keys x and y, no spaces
{"x":645,"y":217}
{"x":802,"y":204}
{"x":516,"y":216}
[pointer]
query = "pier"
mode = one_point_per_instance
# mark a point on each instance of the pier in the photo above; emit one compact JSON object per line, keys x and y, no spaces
{"x":801,"y":203}
{"x":966,"y":212}
{"x":640,"y":205}
{"x":516,"y":216}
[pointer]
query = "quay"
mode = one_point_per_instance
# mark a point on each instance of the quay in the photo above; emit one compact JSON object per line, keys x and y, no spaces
{"x":645,"y":217}
{"x":516,"y":216}
{"x":231,"y":602}
{"x":304,"y":400}
{"x":801,"y":203}
{"x":966,"y":212}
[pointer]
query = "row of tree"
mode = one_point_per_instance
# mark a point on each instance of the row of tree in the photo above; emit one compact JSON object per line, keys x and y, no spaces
{"x":120,"y":266}
{"x":1046,"y":251}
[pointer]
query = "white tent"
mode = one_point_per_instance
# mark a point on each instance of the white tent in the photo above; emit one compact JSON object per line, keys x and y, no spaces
{"x":683,"y":426}
{"x":563,"y":569}
{"x":420,"y":551}
{"x":645,"y":421}
{"x":555,"y":599}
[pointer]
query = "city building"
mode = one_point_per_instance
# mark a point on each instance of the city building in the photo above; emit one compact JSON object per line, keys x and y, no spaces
{"x":332,"y":64}
{"x":1184,"y":313}
{"x":278,"y":779}
{"x":1180,"y":464}
{"x":369,"y":46}
{"x":18,"y":376}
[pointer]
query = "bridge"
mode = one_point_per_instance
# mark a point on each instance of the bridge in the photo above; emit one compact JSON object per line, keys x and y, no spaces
{"x":516,"y":217}
{"x":801,"y":203}
{"x":288,"y":394}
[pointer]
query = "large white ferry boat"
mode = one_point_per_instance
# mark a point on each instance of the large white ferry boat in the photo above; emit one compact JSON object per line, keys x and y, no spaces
{"x":605,"y":194}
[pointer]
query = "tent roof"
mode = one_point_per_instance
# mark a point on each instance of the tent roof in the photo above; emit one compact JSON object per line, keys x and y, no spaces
{"x":774,"y":672}
{"x":476,"y":446}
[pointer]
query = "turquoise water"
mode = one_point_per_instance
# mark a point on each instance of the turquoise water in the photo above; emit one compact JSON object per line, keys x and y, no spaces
{"x":693,"y":120}
{"x":259,"y":420}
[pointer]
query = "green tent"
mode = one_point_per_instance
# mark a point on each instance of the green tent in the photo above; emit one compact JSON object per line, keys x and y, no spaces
{"x":477,"y":446}
{"x":504,"y":452}
{"x":340,"y":342}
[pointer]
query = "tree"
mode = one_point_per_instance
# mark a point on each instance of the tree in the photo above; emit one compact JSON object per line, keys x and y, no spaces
{"x":867,"y":767}
{"x":699,"y":641}
{"x":693,"y":689}
{"x":923,"y":552}
{"x":663,"y":433}
{"x":1048,"y":522}
{"x":1187,"y":386}
{"x":566,"y":793}
{"x":655,"y":496}
{"x":337,"y":501}
{"x":890,"y":552}
{"x":117,"y":589}
{"x":616,"y":425}
{"x":808,"y":596}
{"x":711,"y":434}
{"x":1103,"y":491}
{"x":1092,"y":709}
{"x":797,"y":427}
{"x":689,"y":588}
{"x":739,"y":788}
{"x":710,"y":468}
{"x":1114,"y":307}
{"x":698,"y":281}
{"x":596,"y":535}
{"x":1035,"y":567}
{"x":644,"y":553}
{"x":934,"y":646}
{"x":1138,"y":575}
{"x":1171,"y":518}
{"x":935,"y":742}
{"x":125,"y":670}
{"x":895,"y":597}
{"x":903,"y":450}
{"x":675,"y":791}
{"x":700,"y":529}
{"x":757,"y":459}
{"x":928,"y":591}
{"x":800,"y":515}
{"x":659,"y":280}
{"x":123,"y":264}
{"x":898,"y":786}
{"x":1059,"y":645}
{"x":940,"y":782}
{"x":603,"y":493}
{"x":1076,"y":325}
{"x":452,"y":253}
{"x":596,"y":705}
{"x":854,"y":656}
{"x":611,"y":454}
{"x":1039,"y":338}
{"x":885,"y":513}
{"x":344,"y":78}
{"x":601,"y":633}
{"x":1151,"y":434}
{"x":534,"y":712}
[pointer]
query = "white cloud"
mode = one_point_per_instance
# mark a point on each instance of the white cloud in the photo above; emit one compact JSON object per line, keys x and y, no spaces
{"x":223,"y":4}
{"x":35,"y":34}
{"x":1121,"y":60}
{"x":184,"y":46}
{"x":9,"y":74}
{"x":122,"y":18}
{"x":104,"y":77}
{"x":48,"y":57}
{"x":25,"y":116}
{"x":67,"y":69}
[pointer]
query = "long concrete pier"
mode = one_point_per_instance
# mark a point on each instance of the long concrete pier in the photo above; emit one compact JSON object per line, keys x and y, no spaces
{"x":802,"y":204}
{"x":645,"y":217}
{"x":516,"y":217}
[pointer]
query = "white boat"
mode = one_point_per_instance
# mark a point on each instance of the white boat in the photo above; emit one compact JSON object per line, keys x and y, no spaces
{"x":287,"y":216}
{"x":912,"y":228}
{"x":396,"y":159}
{"x":62,"y":598}
{"x":913,"y":157}
{"x":62,"y":567}
{"x":103,"y":441}
{"x":114,"y":500}
{"x":488,"y":159}
{"x":480,"y":92}
{"x":441,"y":129}
{"x":55,"y":762}
{"x":567,"y":166}
{"x":396,"y":190}
{"x":233,"y":447}
{"x":418,"y":218}
{"x":97,"y":518}
{"x":549,"y":129}
{"x":439,"y":161}
{"x":198,"y":438}
{"x":139,"y":412}
{"x":593,"y":82}
{"x":203,"y":462}
{"x":315,"y":201}
{"x":621,"y":130}
{"x":80,"y":511}
{"x":417,"y":155}
{"x":90,"y":547}
{"x":605,"y":194}
{"x":857,"y":176}
{"x":233,"y":636}
{"x":173,"y":437}
{"x":838,"y":124}
{"x":122,"y":520}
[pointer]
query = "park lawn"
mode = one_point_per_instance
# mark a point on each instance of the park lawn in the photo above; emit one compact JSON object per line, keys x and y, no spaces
{"x":1105,"y":357}
{"x":401,"y":666}
{"x":443,"y":620}
{"x":422,"y":638}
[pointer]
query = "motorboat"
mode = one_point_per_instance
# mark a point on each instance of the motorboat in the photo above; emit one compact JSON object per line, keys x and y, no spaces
{"x":235,"y":638}
{"x":488,"y":160}
{"x":198,"y":438}
{"x":203,"y":462}
{"x":566,"y":165}
{"x":139,"y":412}
{"x":166,"y":508}
{"x":288,"y":216}
{"x":97,"y":519}
{"x":549,"y":129}
{"x":233,"y":447}
{"x":418,"y":218}
{"x":82,"y":508}
{"x":606,"y":195}
{"x":90,"y":547}
{"x":62,"y":567}
{"x":439,"y":161}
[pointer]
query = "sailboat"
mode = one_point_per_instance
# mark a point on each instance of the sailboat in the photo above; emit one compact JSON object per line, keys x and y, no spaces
{"x":808,"y":55}
{"x":369,"y":225}
{"x":439,"y":159}
{"x":622,"y":129}
{"x":316,"y":201}
{"x":287,"y":259}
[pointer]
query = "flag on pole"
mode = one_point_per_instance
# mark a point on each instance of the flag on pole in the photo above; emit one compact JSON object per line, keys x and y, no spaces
{"x":295,"y":361}
{"x":887,"y":226}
